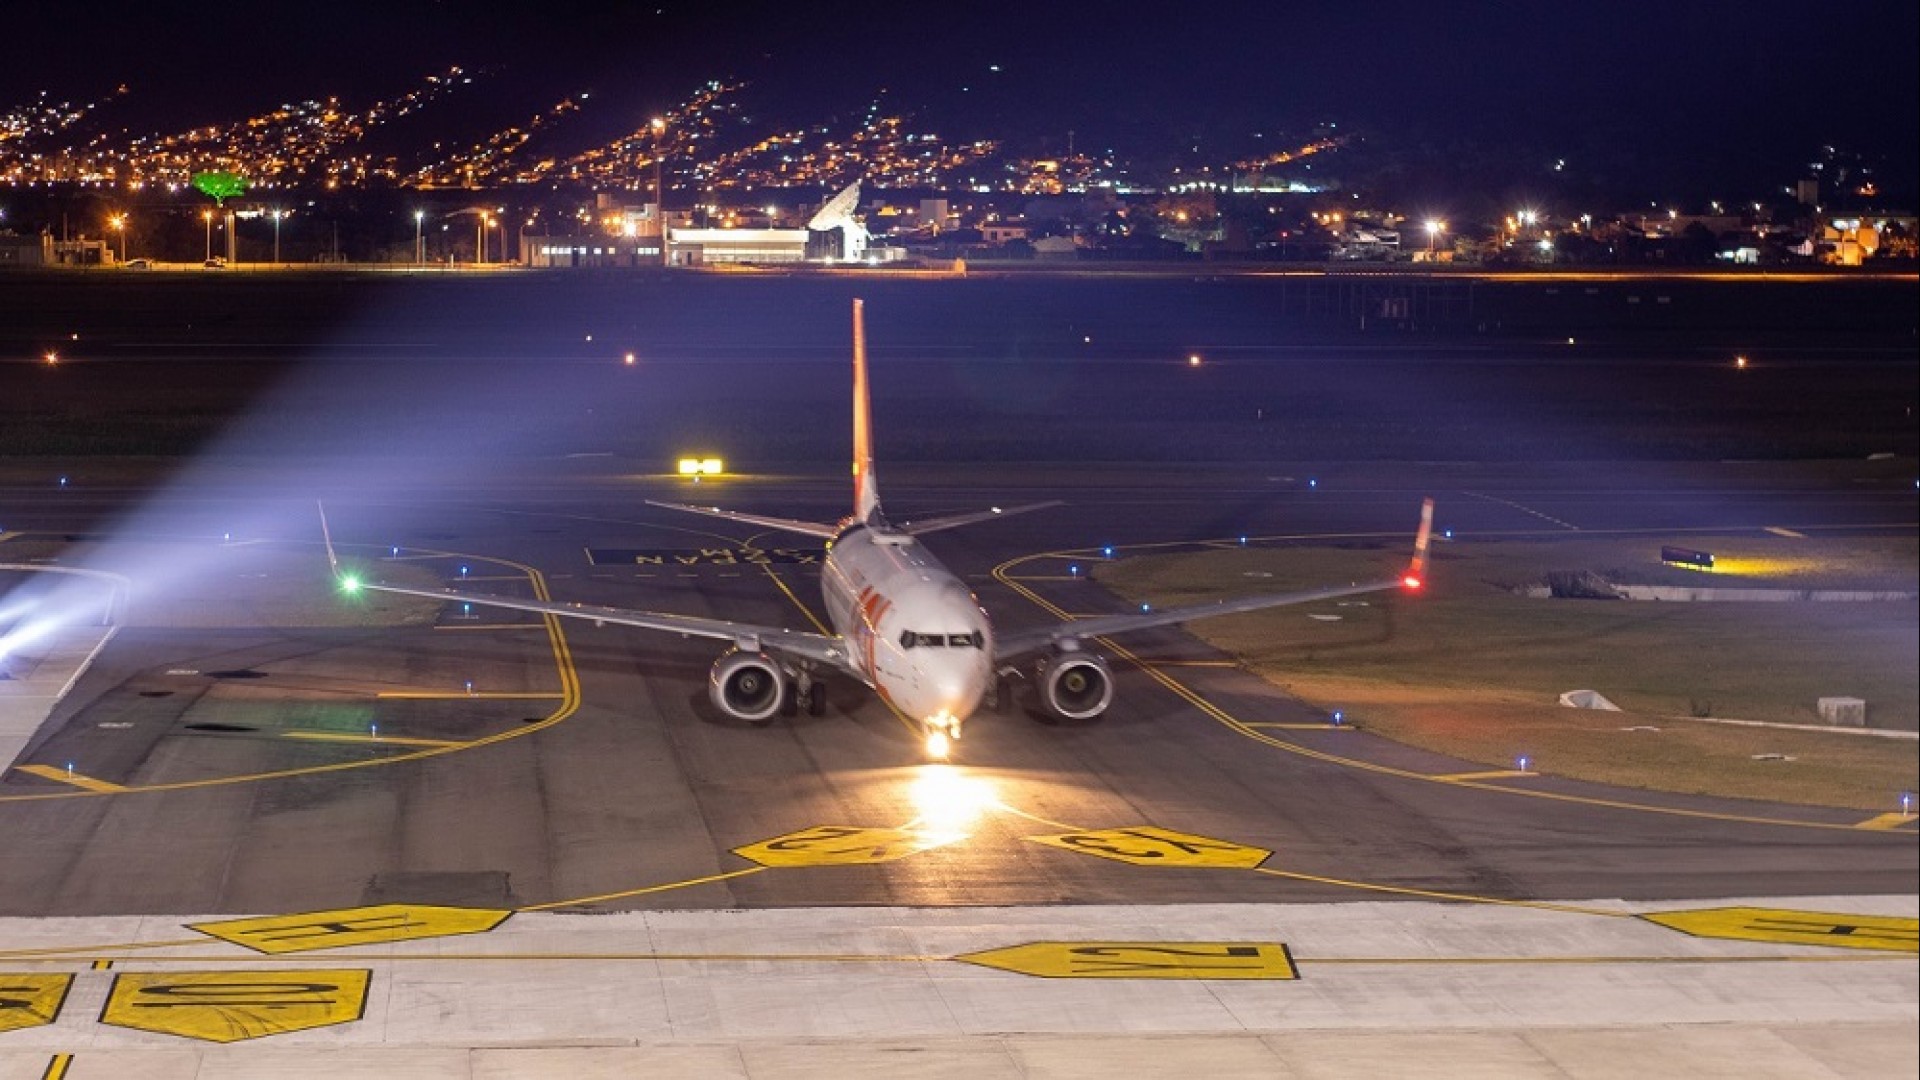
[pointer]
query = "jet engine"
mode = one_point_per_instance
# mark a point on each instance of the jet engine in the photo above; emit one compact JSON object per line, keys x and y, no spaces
{"x":748,"y":686}
{"x":1075,"y":685}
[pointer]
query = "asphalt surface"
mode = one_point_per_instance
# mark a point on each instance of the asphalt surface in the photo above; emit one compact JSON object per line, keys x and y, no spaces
{"x":263,"y":772}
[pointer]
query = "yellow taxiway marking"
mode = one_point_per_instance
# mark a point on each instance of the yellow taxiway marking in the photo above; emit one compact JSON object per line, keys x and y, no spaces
{"x":1886,"y":821}
{"x":623,"y":894}
{"x":842,"y":845}
{"x":31,"y":1000}
{"x":67,"y":776}
{"x":1001,"y":574}
{"x":488,"y":577}
{"x":228,"y":1006}
{"x":1276,"y":726}
{"x":1141,"y":960}
{"x":370,"y":740}
{"x":1881,"y":932}
{"x":451,"y":695}
{"x":1146,"y":845}
{"x":346,"y":927}
{"x":1490,"y":774}
{"x":6,"y":536}
{"x":1198,"y":663}
{"x":569,"y":703}
{"x":57,"y":1068}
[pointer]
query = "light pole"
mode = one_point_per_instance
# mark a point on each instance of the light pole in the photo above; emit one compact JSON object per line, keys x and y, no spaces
{"x":480,"y":228}
{"x":419,"y":244}
{"x":207,"y":216}
{"x":1434,"y":229}
{"x":119,"y":224}
{"x":659,"y":127}
{"x":277,"y":214}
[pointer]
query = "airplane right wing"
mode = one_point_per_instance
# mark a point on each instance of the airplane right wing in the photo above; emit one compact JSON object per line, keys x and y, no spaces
{"x":1020,"y":643}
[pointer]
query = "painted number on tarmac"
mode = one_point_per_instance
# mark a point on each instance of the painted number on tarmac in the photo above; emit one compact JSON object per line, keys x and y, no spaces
{"x":1142,"y":960}
{"x":840,"y":845}
{"x":228,"y":1006}
{"x":1885,"y":932}
{"x":31,"y":1000}
{"x":352,"y":926}
{"x":1145,"y":845}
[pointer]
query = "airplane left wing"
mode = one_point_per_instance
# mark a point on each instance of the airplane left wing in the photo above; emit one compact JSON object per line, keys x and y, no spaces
{"x":1020,"y":643}
{"x":821,"y":647}
{"x":810,"y":646}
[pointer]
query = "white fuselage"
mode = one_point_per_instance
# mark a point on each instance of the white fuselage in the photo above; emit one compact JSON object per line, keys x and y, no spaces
{"x":913,"y":629}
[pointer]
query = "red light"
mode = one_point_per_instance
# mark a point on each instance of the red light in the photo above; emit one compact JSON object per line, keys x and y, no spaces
{"x":1411,"y":581}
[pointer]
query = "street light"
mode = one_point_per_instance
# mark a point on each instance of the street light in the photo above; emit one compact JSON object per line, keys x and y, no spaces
{"x":419,"y":244}
{"x":207,"y":216}
{"x":119,"y":225}
{"x":659,"y":127}
{"x":480,"y":238}
{"x":1434,"y":229}
{"x":277,"y":215}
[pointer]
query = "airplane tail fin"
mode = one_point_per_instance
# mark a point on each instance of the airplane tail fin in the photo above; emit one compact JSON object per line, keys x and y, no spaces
{"x":1416,"y":575}
{"x":866,"y":496}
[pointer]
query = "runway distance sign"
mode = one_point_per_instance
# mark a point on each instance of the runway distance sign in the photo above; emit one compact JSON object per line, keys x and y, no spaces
{"x":1147,"y":845}
{"x":1142,"y":960}
{"x":1884,"y":932}
{"x":841,"y":845}
{"x":718,"y":556}
{"x":229,"y":1006}
{"x":31,"y":1000}
{"x":376,"y":925}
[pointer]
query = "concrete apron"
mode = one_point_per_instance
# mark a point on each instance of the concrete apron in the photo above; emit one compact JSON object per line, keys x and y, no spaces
{"x":1382,"y":989}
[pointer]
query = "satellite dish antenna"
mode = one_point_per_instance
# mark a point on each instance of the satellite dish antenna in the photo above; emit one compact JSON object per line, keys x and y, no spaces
{"x":838,"y":214}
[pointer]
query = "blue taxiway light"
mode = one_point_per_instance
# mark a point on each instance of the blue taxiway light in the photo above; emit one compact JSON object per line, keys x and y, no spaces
{"x":1338,"y":717}
{"x":1522,"y":761}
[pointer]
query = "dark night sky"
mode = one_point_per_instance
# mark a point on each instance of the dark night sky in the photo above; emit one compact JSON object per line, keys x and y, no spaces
{"x":1750,"y":87}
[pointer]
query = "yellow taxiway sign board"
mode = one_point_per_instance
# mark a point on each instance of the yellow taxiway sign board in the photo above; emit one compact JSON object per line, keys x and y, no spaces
{"x":1147,"y":845}
{"x":1142,"y":960}
{"x":31,"y":1000}
{"x":228,"y":1006}
{"x":1885,"y":932}
{"x":841,"y":845}
{"x":376,"y":925}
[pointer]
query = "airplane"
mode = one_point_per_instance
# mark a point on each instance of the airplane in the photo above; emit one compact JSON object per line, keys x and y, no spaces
{"x":903,"y":624}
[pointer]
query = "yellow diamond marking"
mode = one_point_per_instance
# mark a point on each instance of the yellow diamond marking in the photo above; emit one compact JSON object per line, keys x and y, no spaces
{"x":31,"y":1000}
{"x":228,"y":1006}
{"x":382,"y":923}
{"x":841,"y":845}
{"x":1142,"y":960}
{"x":1886,"y":932}
{"x":1146,"y":845}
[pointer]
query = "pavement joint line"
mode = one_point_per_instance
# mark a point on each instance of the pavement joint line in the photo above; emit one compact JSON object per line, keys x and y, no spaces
{"x":1522,"y":509}
{"x":376,"y":740}
{"x":68,"y":776}
{"x":1000,"y":574}
{"x":6,"y":536}
{"x":1438,"y":894}
{"x":489,"y":626}
{"x":569,"y":704}
{"x":1887,"y":821}
{"x":1781,"y":530}
{"x":330,"y":957}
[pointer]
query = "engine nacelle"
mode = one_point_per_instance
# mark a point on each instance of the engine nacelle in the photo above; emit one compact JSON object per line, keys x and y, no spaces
{"x":748,"y":686}
{"x":1075,"y":685}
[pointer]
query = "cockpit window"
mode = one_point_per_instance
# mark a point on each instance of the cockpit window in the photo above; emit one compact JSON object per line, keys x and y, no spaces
{"x":910,"y":639}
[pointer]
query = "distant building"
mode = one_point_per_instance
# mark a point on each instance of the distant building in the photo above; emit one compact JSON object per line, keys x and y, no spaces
{"x":18,"y":250}
{"x":708,"y":247}
{"x":1001,"y":232}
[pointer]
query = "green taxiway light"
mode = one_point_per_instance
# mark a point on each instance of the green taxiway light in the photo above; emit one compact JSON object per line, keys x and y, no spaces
{"x":350,"y":584}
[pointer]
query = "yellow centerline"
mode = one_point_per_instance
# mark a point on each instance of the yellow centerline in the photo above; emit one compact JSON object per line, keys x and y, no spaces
{"x":458,"y":695}
{"x":68,"y":776}
{"x":569,"y":704}
{"x":374,"y":740}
